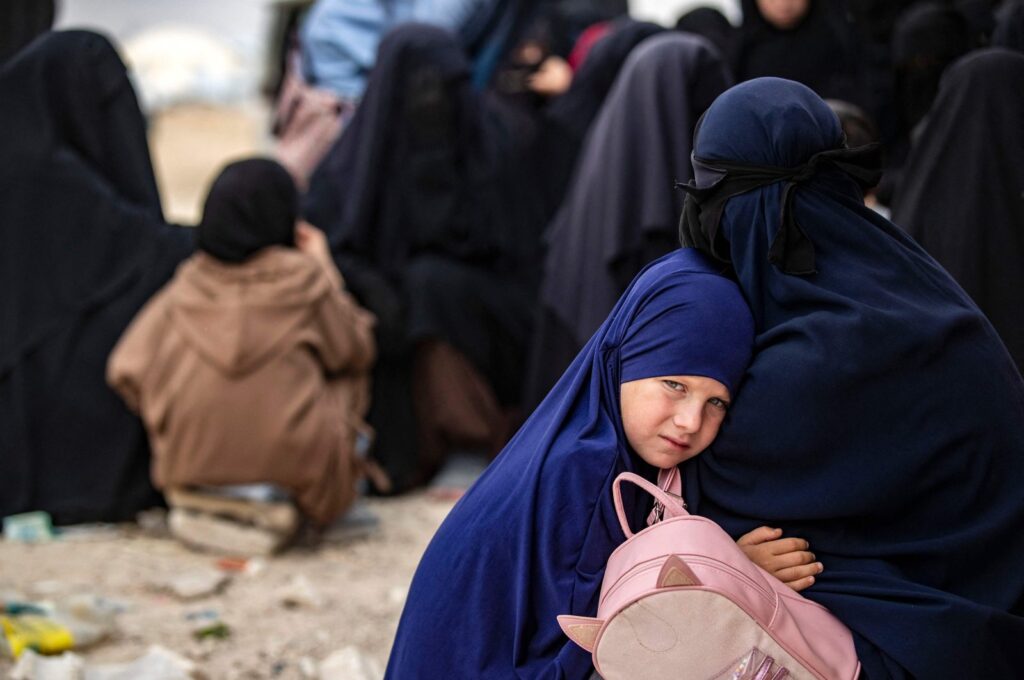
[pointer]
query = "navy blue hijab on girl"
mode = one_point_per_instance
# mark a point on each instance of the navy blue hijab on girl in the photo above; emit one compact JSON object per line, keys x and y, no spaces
{"x":531,"y":538}
{"x":882,"y":419}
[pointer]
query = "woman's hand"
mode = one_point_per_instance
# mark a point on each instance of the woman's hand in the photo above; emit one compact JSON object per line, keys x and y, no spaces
{"x":552,"y":78}
{"x":787,"y":559}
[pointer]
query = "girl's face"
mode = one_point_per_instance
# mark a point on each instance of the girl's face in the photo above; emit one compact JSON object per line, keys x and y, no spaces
{"x":672,"y":418}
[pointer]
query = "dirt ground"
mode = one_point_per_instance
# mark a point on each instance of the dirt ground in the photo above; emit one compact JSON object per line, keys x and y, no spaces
{"x":362,"y":582}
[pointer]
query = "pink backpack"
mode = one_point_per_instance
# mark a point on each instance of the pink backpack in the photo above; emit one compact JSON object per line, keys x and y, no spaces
{"x":681,"y":600}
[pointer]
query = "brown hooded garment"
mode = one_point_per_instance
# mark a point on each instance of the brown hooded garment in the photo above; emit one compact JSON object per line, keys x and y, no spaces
{"x":252,"y":373}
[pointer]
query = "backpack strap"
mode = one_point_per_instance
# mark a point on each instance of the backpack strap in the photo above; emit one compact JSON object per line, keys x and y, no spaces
{"x":672,"y":504}
{"x":670,"y":480}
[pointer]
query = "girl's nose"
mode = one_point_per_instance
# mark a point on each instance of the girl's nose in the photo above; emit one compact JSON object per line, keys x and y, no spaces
{"x":688,"y":417}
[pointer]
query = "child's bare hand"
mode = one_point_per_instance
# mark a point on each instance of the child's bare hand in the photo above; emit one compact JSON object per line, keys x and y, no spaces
{"x":787,"y":559}
{"x":312,"y":241}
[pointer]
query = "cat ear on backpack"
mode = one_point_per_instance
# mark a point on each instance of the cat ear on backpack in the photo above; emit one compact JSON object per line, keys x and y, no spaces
{"x":674,"y":572}
{"x":582,"y":630}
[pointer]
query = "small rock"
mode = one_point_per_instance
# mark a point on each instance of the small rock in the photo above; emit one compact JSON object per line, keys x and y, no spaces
{"x":90,"y":533}
{"x":158,"y":663}
{"x":349,"y":664}
{"x":307,"y":667}
{"x":299,"y":592}
{"x":153,"y":522}
{"x":397,"y":595}
{"x":193,"y":585}
{"x":254,"y":566}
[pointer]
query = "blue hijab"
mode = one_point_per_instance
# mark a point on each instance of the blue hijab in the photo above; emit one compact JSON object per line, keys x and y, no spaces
{"x":882,"y":419}
{"x":530,"y":539}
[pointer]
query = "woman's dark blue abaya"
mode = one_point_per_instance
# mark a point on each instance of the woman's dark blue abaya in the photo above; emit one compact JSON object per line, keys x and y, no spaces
{"x":530,"y":539}
{"x":881,"y":419}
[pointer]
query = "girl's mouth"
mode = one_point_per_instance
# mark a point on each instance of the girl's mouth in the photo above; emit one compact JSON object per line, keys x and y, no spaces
{"x":682,"y":446}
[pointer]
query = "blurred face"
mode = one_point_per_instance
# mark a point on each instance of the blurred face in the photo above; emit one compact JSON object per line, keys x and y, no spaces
{"x":672,"y":418}
{"x":783,"y":14}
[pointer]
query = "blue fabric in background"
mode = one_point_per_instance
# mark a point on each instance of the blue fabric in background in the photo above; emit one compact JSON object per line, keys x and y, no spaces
{"x":882,"y":419}
{"x":340,"y":37}
{"x":530,"y":539}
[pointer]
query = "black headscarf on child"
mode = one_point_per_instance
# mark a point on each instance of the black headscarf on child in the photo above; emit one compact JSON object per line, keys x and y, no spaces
{"x":252,"y":204}
{"x":963,"y":194}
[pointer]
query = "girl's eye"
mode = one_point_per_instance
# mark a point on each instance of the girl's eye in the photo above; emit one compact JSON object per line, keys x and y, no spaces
{"x":720,"y":404}
{"x":674,"y":386}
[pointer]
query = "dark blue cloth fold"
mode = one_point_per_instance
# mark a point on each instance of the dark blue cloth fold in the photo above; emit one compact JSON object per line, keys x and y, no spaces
{"x":530,"y":539}
{"x":881,"y":419}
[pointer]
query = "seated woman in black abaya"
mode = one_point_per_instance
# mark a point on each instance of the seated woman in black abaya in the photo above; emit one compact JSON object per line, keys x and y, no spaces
{"x":421,"y":206}
{"x":83,"y":245}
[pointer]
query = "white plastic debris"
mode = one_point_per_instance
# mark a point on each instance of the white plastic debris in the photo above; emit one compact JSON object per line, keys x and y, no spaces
{"x":193,"y":585}
{"x":32,"y":666}
{"x":158,"y":663}
{"x":350,"y":664}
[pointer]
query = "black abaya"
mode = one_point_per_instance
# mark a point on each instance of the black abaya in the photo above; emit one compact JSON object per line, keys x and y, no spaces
{"x":962,"y":197}
{"x":83,"y":246}
{"x":427,"y":220}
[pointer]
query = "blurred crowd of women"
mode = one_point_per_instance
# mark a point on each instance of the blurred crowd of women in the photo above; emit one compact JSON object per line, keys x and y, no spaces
{"x":487,"y":177}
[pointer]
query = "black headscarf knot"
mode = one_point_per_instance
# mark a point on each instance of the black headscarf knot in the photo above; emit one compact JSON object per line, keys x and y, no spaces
{"x":791,"y":250}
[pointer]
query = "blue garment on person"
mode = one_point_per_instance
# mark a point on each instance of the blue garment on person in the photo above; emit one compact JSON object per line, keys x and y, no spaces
{"x":881,"y":419}
{"x":340,"y":37}
{"x":530,"y":539}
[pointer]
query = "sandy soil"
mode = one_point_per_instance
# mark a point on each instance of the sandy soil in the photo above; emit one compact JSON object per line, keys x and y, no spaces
{"x":189,"y":144}
{"x":363,"y":583}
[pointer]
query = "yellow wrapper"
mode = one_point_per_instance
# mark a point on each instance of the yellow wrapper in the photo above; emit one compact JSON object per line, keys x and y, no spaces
{"x":31,"y":631}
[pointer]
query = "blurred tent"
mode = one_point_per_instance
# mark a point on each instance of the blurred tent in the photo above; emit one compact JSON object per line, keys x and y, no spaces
{"x":182,"y":64}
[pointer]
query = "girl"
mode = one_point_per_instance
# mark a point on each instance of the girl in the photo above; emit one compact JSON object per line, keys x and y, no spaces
{"x":531,"y":538}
